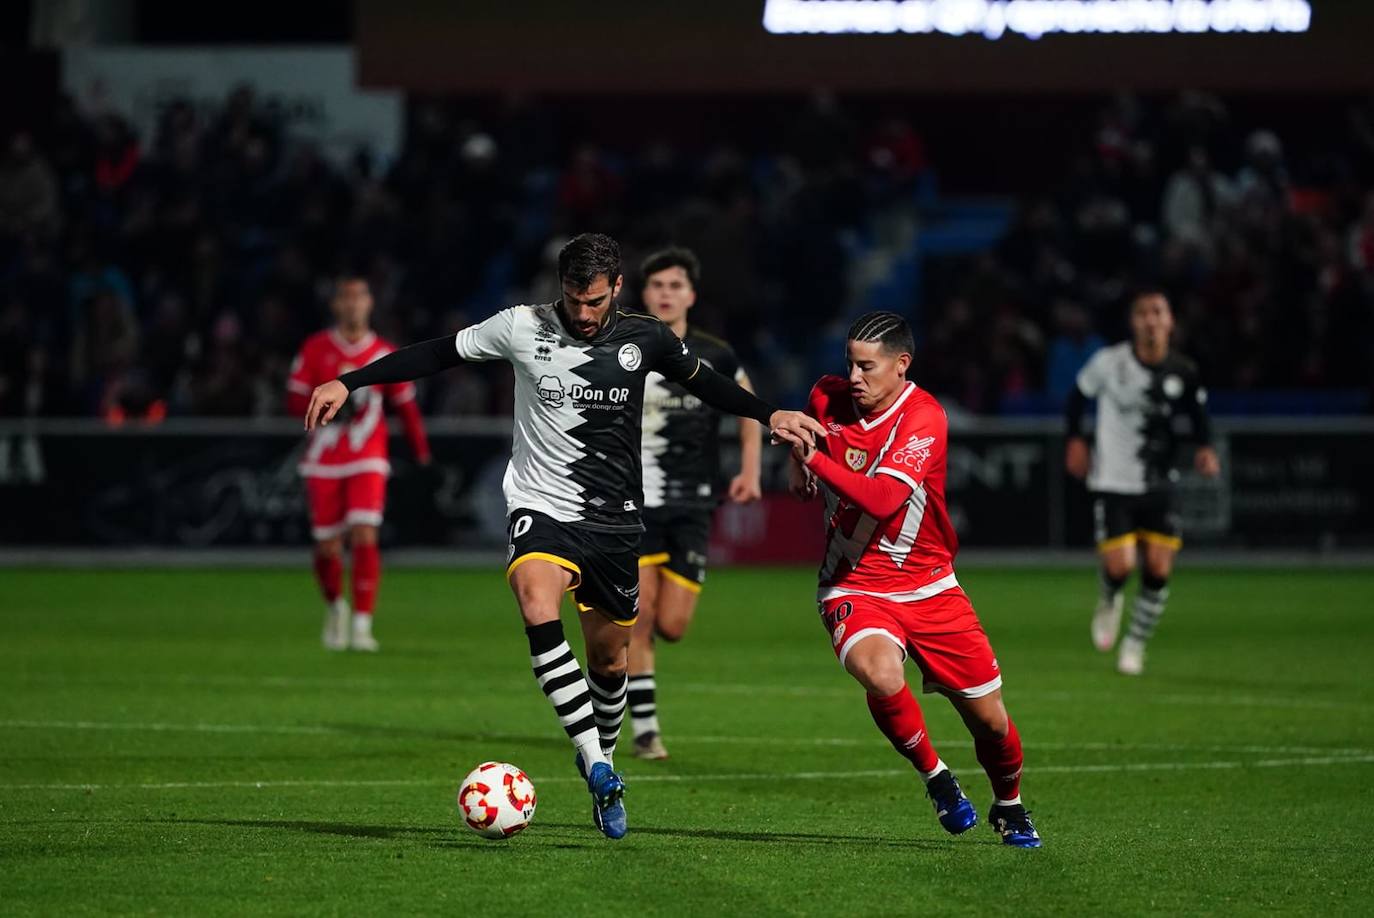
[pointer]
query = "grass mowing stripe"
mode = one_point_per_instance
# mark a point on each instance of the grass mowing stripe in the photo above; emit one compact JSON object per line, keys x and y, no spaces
{"x":1313,"y":761}
{"x":322,"y":729}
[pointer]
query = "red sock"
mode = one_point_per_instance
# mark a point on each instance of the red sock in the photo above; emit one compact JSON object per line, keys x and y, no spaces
{"x":1001,"y":759}
{"x":367,"y":571}
{"x":329,"y":573}
{"x":899,"y":717}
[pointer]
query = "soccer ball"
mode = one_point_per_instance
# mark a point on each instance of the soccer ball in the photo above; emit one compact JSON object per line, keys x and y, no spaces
{"x":496,"y":800}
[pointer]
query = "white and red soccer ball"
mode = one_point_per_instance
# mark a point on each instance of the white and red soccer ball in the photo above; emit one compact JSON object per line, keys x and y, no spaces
{"x":496,"y":800}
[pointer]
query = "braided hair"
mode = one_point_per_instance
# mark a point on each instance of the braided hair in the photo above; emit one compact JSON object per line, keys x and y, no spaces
{"x":887,"y":328}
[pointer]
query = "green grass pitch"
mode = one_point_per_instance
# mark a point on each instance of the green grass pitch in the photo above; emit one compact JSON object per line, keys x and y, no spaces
{"x":178,"y":743}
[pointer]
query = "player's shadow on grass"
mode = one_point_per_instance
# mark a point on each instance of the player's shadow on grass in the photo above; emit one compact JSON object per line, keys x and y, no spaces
{"x":436,"y":836}
{"x":801,"y":838}
{"x":446,"y":736}
{"x":349,"y":829}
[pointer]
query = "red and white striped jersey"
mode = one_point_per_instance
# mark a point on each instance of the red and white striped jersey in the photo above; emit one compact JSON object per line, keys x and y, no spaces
{"x":358,"y":444}
{"x":910,"y":555}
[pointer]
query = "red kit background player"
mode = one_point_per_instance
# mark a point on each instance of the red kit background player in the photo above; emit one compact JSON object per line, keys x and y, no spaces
{"x":345,"y":466}
{"x":887,"y":584}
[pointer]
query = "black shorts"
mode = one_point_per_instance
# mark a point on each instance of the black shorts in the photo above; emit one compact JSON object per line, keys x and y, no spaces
{"x":1121,"y":519}
{"x":675,"y":541}
{"x":604,"y":565}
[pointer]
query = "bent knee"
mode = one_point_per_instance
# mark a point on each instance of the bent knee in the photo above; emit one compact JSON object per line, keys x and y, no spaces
{"x":670,"y":631}
{"x":881,"y":676}
{"x":609,"y":661}
{"x":992,"y":726}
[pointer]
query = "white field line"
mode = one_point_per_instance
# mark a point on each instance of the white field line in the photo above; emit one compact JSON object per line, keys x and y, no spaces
{"x":1315,"y":761}
{"x":804,"y":741}
{"x":710,"y":688}
{"x":373,"y":683}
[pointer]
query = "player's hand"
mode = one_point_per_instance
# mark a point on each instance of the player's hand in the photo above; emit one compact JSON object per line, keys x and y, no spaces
{"x":1207,"y":462}
{"x":1076,"y":457}
{"x":790,"y":426}
{"x":745,"y":489}
{"x":325,"y":402}
{"x":800,"y":481}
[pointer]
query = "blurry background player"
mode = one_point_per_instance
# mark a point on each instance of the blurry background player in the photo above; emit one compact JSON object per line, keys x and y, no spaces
{"x":681,"y":455}
{"x":345,"y":465}
{"x":887,"y":586}
{"x":1141,"y":387}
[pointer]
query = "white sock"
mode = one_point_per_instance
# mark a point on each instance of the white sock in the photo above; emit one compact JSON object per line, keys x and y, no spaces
{"x":939,"y":767}
{"x":1015,"y":801}
{"x":362,"y":625}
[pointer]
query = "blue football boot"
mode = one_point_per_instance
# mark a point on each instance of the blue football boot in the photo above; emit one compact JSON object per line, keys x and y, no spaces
{"x":608,"y":792}
{"x":952,"y":808}
{"x":1013,"y":823}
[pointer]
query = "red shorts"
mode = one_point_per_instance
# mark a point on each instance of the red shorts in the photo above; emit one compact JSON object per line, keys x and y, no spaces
{"x":942,"y":633}
{"x":337,"y":503}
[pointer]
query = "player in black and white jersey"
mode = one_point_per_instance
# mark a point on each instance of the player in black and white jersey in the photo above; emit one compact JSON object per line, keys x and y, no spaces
{"x":573,"y":488}
{"x":681,"y":455}
{"x":1143,"y":389}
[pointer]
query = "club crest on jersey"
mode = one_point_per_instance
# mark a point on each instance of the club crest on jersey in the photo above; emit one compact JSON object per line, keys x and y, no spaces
{"x":856,"y":459}
{"x":1173,"y":386}
{"x":630,"y":357}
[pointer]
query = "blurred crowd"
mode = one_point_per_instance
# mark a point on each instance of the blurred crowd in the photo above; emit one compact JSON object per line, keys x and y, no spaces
{"x":1268,"y":259}
{"x":179,"y":273}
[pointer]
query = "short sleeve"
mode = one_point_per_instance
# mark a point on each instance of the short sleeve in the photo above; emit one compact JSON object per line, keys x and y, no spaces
{"x":300,"y":380}
{"x":488,"y":340}
{"x":919,"y":445}
{"x":673,"y":358}
{"x":1093,"y":377}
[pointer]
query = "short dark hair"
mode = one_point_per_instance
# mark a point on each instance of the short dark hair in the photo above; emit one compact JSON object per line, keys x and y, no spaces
{"x":586,"y":257}
{"x":673,"y":257}
{"x":887,"y":328}
{"x":1141,"y":292}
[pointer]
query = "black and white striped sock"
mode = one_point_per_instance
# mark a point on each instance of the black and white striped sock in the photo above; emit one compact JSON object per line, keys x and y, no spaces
{"x":608,"y":705}
{"x":1111,"y":587}
{"x":643,"y":706}
{"x":558,"y":674}
{"x":1149,"y":606}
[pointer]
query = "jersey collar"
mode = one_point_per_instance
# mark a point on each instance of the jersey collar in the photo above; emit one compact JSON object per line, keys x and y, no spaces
{"x":870,"y":423}
{"x":353,"y":348}
{"x":599,"y":337}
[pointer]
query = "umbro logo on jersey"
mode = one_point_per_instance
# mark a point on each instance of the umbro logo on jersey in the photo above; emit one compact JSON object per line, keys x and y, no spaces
{"x":835,"y":428}
{"x":551,"y":390}
{"x":630,"y":357}
{"x":630,"y":506}
{"x":856,"y":459}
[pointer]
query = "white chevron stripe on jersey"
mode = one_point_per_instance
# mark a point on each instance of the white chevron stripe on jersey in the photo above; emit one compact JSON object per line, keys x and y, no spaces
{"x":542,"y":449}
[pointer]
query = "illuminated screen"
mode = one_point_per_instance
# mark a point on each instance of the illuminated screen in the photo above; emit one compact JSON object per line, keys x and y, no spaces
{"x":994,"y":19}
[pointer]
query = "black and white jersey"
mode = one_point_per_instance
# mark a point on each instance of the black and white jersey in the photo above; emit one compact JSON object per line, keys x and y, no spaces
{"x":578,"y":405}
{"x":681,"y":445}
{"x":1136,"y":437}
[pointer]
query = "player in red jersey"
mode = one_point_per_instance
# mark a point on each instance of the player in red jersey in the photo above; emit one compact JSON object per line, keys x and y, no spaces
{"x":345,"y":465}
{"x":887,"y":585}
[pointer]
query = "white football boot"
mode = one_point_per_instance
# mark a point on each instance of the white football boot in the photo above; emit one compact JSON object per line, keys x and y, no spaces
{"x":363,"y":640}
{"x":336,"y":616}
{"x":1130,"y":659}
{"x":1107,"y":621}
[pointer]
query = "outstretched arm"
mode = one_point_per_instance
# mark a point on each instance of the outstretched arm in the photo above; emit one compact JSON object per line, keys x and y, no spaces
{"x":723,"y":394}
{"x":413,"y":362}
{"x":879,"y":496}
